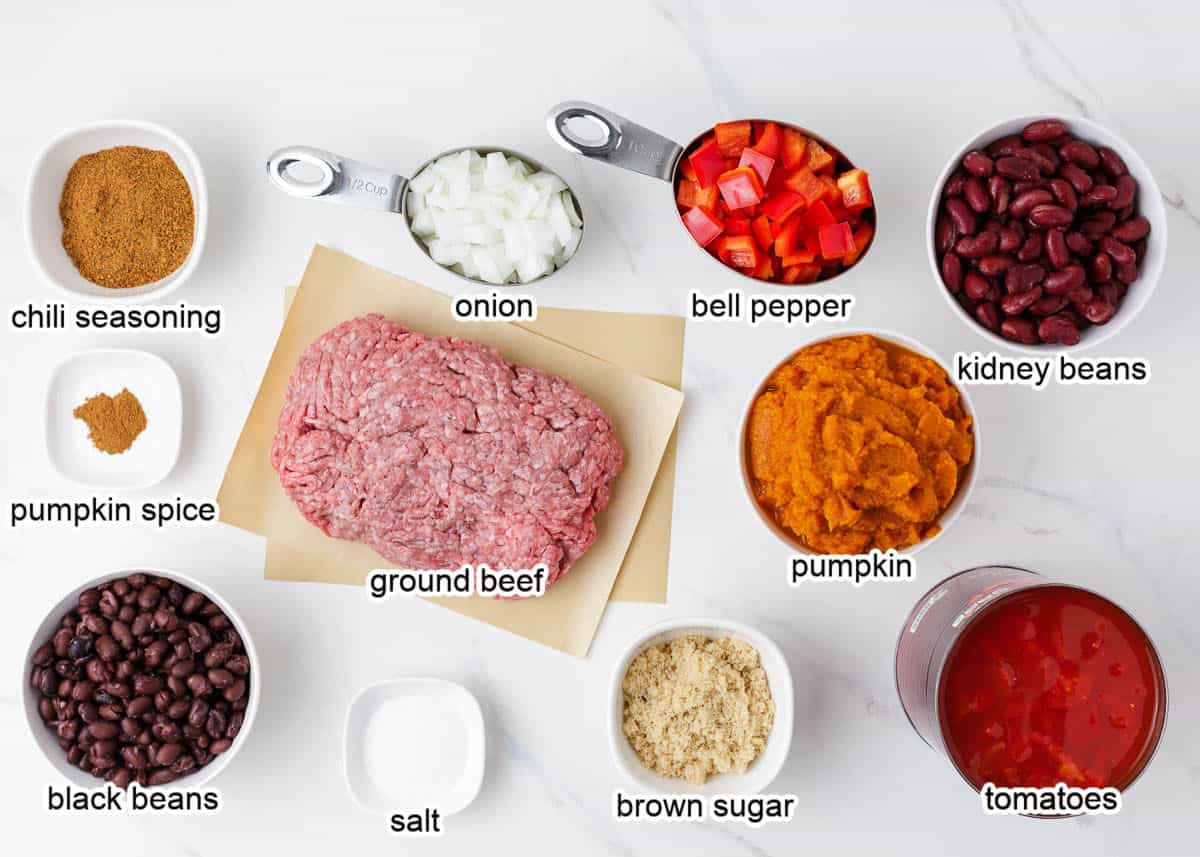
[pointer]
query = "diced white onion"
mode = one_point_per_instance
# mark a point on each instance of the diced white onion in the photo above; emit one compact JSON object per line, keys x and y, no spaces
{"x":493,"y":217}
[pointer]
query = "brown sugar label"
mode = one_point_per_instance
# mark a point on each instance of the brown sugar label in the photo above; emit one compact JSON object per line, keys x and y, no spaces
{"x":751,"y":810}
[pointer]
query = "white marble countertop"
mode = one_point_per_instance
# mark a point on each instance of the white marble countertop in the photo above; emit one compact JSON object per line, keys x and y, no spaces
{"x":1091,"y":485}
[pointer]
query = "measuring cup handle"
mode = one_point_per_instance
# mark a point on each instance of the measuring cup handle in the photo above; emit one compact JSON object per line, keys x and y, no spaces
{"x":341,"y":180}
{"x":623,"y":144}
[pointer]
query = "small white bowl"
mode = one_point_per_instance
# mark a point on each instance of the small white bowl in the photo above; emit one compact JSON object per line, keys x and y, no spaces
{"x":763,"y":771}
{"x":108,"y":370}
{"x":461,"y":714}
{"x":43,"y":226}
{"x":46,"y":739}
{"x":1149,"y":205}
{"x":966,"y":484}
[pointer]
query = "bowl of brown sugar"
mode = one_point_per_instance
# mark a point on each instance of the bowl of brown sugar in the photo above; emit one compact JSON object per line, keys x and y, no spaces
{"x":116,"y":211}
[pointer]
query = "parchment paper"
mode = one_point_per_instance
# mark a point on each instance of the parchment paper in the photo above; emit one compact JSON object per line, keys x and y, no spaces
{"x":336,"y":287}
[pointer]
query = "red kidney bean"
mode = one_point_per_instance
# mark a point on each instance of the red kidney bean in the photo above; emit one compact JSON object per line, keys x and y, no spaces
{"x":1019,"y":330}
{"x":1127,"y":273}
{"x":995,"y":265}
{"x":1100,"y":269}
{"x":944,"y":233}
{"x":1020,"y":169}
{"x":1079,"y":180}
{"x":1043,"y":130}
{"x":1111,"y":162}
{"x":1048,"y":304}
{"x":1081,"y":153}
{"x":1126,"y":193}
{"x":952,"y":272}
{"x":1004,"y":146}
{"x":1099,"y":311}
{"x":1081,"y":296}
{"x":977,"y":246}
{"x":1050,"y":215}
{"x":1061,"y":282}
{"x":961,"y":215}
{"x":1060,"y":329}
{"x":1112,"y":292}
{"x":1063,"y":193}
{"x":1022,"y":278}
{"x":1057,"y":253}
{"x":976,"y":286}
{"x":954,"y":184}
{"x":1079,"y":244}
{"x":1010,"y":239}
{"x":1098,"y":224}
{"x":1032,"y":248}
{"x":1046,"y":164}
{"x":977,"y":163}
{"x":1017,"y":303}
{"x":1122,"y":254}
{"x":1101,"y":194}
{"x":1027,"y":201}
{"x":976,"y":195}
{"x":1000,"y":191}
{"x":987,"y":315}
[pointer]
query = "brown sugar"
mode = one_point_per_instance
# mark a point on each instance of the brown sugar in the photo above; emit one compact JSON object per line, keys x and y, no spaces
{"x":114,"y":422}
{"x":127,"y":216}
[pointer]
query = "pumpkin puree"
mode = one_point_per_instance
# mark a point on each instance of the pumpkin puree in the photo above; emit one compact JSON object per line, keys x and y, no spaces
{"x":856,"y":443}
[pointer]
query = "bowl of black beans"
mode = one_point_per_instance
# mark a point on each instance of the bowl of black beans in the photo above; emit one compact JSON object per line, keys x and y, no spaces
{"x":142,"y":676}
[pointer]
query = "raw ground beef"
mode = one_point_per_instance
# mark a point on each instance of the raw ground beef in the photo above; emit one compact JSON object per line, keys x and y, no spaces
{"x":438,"y":453}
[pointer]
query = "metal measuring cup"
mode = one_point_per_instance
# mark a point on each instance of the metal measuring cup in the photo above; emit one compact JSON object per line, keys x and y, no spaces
{"x":633,"y":147}
{"x":348,"y":182}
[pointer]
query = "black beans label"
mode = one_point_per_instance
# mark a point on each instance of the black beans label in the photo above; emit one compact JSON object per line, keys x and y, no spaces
{"x":208,"y":321}
{"x":787,"y":310}
{"x":466,"y":581}
{"x":1037,"y":372}
{"x":95,"y":511}
{"x":855,"y":569}
{"x":135,"y":800}
{"x":1060,"y":799}
{"x":751,"y":810}
{"x":494,"y":306}
{"x":427,"y":822}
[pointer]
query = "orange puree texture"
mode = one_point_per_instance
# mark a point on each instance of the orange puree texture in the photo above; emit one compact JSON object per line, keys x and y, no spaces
{"x":856,"y":443}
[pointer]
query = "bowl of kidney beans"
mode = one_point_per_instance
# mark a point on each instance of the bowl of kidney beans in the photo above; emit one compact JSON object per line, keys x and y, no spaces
{"x":1047,"y":232}
{"x":142,"y":676}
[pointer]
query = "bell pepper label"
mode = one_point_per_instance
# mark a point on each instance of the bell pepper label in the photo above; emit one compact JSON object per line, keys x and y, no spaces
{"x":789,"y":310}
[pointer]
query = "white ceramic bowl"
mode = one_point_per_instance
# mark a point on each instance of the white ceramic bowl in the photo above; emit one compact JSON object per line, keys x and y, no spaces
{"x":46,"y":739}
{"x":108,"y":370}
{"x":1149,"y":205}
{"x":966,"y":484}
{"x":764,"y":769}
{"x":457,"y":703}
{"x":43,"y":226}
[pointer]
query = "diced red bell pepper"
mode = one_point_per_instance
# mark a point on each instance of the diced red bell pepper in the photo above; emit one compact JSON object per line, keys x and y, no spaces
{"x":690,"y":194}
{"x":816,"y":158}
{"x":801,"y":274}
{"x":739,"y":251}
{"x":686,"y":169}
{"x":837,"y":240}
{"x":782,"y":205}
{"x":737,"y":226}
{"x":758,"y":162}
{"x":806,"y":183}
{"x":833,"y":196}
{"x":732,"y":137}
{"x":703,"y":224}
{"x":818,"y":215}
{"x":790,"y":237}
{"x":765,"y":269}
{"x":708,"y":163}
{"x":769,"y":140}
{"x":740,"y":188}
{"x":855,"y":189}
{"x":763,"y":231}
{"x":862,"y":237}
{"x":792,"y":152}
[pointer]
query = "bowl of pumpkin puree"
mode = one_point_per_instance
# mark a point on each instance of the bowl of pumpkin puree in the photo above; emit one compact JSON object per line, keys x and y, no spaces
{"x":857,"y":442}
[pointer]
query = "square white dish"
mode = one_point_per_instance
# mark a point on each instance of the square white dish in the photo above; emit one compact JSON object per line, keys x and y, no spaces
{"x":380,"y":780}
{"x":109,"y":370}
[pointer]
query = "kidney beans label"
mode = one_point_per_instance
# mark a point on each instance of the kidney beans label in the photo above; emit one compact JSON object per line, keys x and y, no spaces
{"x":135,"y":800}
{"x":788,"y":310}
{"x":1051,"y":800}
{"x":855,"y":569}
{"x":751,"y":810}
{"x":92,"y":511}
{"x":1037,"y":372}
